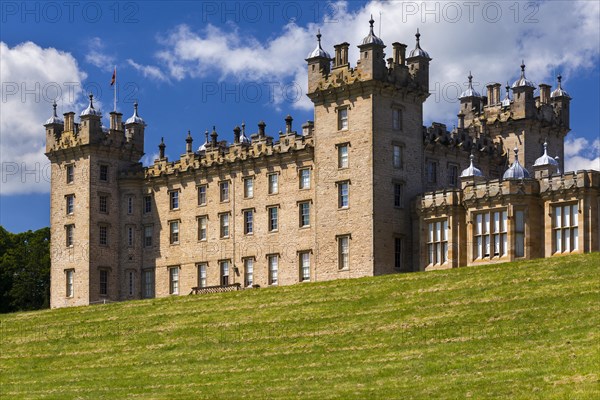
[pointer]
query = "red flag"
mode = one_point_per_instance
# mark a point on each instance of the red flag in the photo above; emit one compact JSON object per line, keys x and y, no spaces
{"x":114,"y":77}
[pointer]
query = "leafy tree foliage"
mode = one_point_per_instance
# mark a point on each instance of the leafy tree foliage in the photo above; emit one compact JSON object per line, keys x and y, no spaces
{"x":24,"y":270}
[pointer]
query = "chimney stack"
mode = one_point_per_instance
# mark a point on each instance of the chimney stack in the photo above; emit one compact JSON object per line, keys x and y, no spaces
{"x":288,"y":124}
{"x":544,"y":93}
{"x":399,"y":52}
{"x":341,"y":54}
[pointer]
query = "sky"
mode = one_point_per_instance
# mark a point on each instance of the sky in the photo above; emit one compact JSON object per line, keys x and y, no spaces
{"x":192,"y":66}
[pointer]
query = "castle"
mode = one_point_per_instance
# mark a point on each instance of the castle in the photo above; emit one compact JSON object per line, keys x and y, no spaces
{"x":364,"y":190}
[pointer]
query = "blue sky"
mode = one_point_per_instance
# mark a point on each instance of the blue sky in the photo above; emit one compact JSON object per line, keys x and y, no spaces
{"x":192,"y":66}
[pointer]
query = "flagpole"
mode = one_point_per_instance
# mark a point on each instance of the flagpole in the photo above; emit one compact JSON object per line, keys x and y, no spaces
{"x":115,"y":90}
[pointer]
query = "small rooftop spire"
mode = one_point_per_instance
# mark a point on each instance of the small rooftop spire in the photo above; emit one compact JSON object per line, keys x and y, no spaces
{"x":418,"y":51}
{"x":318,"y":51}
{"x":90,"y":109}
{"x":214,"y":136}
{"x":559,"y":91}
{"x":161,"y":148}
{"x":135,"y":118}
{"x":523,"y":81}
{"x":470,"y":92}
{"x":54,"y":119}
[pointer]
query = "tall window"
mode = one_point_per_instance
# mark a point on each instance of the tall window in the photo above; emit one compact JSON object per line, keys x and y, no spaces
{"x":174,"y":280}
{"x":343,"y":118}
{"x":248,"y":222}
{"x":148,"y":230}
{"x":104,"y":173}
{"x":224,"y":272}
{"x":174,"y":199}
{"x":396,"y":119}
{"x":273,"y":269}
{"x":344,"y":252}
{"x":148,"y":277}
{"x":69,"y":282}
{"x":103,"y":204}
{"x":70,"y":173}
{"x":490,"y":234}
{"x":398,"y":195}
{"x":202,"y":195}
{"x":174,"y":232}
{"x":343,"y":194}
{"x":70,"y":203}
{"x":397,"y":156}
{"x":224,"y":222}
{"x":565,"y":227}
{"x":69,"y":229}
{"x":519,"y":233}
{"x":343,"y":156}
{"x":398,"y":253}
{"x":431,"y":171}
{"x":130,"y":236}
{"x":273,"y":218}
{"x":305,"y":178}
{"x":304,"y":213}
{"x":305,"y":266}
{"x":273,"y":183}
{"x":129,"y":204}
{"x":202,"y":227}
{"x":131,"y":282}
{"x":437,"y":242}
{"x":103,"y":230}
{"x":103,"y":282}
{"x":248,"y":188}
{"x":147,"y":204}
{"x":453,"y":175}
{"x":202,"y":275}
{"x":248,"y":271}
{"x":224,"y":191}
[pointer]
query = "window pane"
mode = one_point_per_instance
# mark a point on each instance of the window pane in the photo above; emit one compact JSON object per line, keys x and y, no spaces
{"x":575,"y":219}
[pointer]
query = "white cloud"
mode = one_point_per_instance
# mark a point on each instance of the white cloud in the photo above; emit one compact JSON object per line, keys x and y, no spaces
{"x":492,"y":50}
{"x":96,"y":55}
{"x":148,"y":159}
{"x":581,"y":154}
{"x":149,"y":71}
{"x":32,"y":77}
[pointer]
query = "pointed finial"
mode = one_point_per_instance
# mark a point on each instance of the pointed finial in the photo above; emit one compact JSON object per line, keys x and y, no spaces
{"x":418,"y":35}
{"x":243,"y":127}
{"x":189,"y":139}
{"x":319,"y":35}
{"x":91,"y":96}
{"x":559,"y":79}
{"x":371,"y":22}
{"x":470,"y":77}
{"x":545,"y":147}
{"x":507,"y":87}
{"x":54,"y":107}
{"x":471,"y":157}
{"x":516,"y":150}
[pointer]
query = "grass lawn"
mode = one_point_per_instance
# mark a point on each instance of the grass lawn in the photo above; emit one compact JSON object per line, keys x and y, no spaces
{"x":526,"y":330}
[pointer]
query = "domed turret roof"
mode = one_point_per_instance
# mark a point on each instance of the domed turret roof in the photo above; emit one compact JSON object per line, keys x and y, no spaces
{"x":54,"y":119}
{"x":522,"y":81}
{"x":418,"y":51}
{"x":545,"y":159}
{"x":371,"y":38}
{"x":471,"y":170}
{"x":135,"y":118}
{"x":318,"y":51}
{"x":516,"y":170}
{"x":90,"y":110}
{"x":559,"y":92}
{"x":470,"y":92}
{"x":506,"y":100}
{"x":203,"y":146}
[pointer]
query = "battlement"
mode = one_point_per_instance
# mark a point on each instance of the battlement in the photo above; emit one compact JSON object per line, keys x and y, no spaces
{"x":260,"y":148}
{"x":327,"y":75}
{"x":574,"y":180}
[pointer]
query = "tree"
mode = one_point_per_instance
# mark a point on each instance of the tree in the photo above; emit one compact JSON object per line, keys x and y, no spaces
{"x":24,"y":270}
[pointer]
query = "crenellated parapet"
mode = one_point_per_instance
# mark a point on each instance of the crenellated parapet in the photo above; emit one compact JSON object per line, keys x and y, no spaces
{"x":259,"y":149}
{"x":330,"y":79}
{"x":569,"y":184}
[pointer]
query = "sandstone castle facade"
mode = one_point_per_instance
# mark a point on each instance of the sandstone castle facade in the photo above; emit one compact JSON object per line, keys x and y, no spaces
{"x":364,"y":190}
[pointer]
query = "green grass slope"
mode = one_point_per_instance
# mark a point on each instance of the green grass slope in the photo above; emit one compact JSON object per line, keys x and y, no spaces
{"x":526,"y":330}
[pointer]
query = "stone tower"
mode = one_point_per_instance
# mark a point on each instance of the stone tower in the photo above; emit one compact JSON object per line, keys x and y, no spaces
{"x":86,"y":203}
{"x":368,"y":148}
{"x":524,"y":121}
